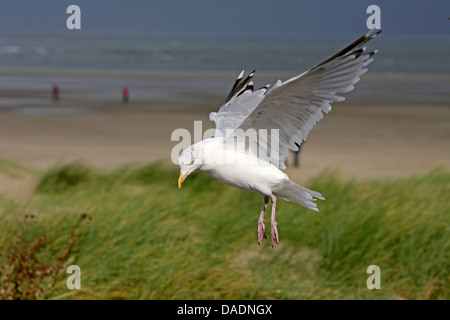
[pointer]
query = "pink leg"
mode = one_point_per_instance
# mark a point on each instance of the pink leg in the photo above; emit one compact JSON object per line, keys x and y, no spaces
{"x":273,"y":223}
{"x":261,"y":226}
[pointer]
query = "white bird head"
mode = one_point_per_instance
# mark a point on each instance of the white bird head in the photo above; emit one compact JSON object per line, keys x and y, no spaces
{"x":189,"y":161}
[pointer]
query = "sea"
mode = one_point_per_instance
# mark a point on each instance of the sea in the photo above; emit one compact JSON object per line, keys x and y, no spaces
{"x":294,"y":54}
{"x":423,"y":54}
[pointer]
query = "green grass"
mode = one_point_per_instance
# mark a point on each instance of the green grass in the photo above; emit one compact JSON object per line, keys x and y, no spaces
{"x":149,"y":240}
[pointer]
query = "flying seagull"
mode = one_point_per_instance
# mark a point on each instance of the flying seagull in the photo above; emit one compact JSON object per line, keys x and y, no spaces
{"x":256,"y":128}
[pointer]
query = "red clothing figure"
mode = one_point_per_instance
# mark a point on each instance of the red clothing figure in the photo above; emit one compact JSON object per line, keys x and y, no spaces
{"x":125,"y":94}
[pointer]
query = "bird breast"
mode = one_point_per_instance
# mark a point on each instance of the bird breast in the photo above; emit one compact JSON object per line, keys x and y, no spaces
{"x":241,"y":170}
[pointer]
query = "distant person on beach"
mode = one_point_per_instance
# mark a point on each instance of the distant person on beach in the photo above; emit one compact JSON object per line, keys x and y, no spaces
{"x":125,"y":95}
{"x":55,"y":92}
{"x":297,"y":155}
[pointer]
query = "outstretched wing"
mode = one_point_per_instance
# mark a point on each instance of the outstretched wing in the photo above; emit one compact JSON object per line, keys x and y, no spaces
{"x":293,"y":107}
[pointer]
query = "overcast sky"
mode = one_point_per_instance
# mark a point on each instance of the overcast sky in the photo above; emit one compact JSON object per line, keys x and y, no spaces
{"x":230,"y":16}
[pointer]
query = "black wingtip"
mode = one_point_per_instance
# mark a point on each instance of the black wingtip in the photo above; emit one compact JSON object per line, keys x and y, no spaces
{"x":240,"y":85}
{"x":374,"y":32}
{"x":355,"y":46}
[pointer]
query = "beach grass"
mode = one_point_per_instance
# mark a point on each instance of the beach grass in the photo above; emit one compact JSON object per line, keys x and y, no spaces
{"x":146,"y":239}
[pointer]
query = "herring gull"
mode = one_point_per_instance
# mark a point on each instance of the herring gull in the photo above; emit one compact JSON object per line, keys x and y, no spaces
{"x":255,"y":129}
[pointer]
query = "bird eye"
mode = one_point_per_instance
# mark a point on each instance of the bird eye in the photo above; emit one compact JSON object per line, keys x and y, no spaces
{"x":192,"y":161}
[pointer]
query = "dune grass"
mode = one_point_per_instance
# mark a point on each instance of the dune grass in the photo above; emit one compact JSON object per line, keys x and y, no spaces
{"x":148,"y":240}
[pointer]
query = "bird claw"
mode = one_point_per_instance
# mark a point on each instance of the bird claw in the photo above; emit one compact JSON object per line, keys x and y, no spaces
{"x":261,"y":231}
{"x":274,"y":232}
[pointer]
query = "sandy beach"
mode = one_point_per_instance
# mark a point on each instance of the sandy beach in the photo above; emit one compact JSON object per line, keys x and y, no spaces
{"x":368,"y":136}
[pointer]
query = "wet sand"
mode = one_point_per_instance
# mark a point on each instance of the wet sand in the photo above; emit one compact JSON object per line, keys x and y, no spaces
{"x":362,"y":138}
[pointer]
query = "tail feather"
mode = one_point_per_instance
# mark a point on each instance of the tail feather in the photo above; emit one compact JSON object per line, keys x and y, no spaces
{"x":301,"y":195}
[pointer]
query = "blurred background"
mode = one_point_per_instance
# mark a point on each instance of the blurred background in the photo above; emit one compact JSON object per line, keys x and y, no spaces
{"x":86,"y":118}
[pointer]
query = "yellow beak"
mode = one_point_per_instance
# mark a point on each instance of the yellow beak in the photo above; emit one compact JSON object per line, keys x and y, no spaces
{"x":181,"y":180}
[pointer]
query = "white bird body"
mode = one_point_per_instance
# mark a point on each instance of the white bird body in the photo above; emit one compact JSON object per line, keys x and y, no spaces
{"x":248,"y":172}
{"x":243,"y":170}
{"x":245,"y":155}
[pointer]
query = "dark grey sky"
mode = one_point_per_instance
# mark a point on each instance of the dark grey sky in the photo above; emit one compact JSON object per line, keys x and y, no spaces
{"x":230,"y":16}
